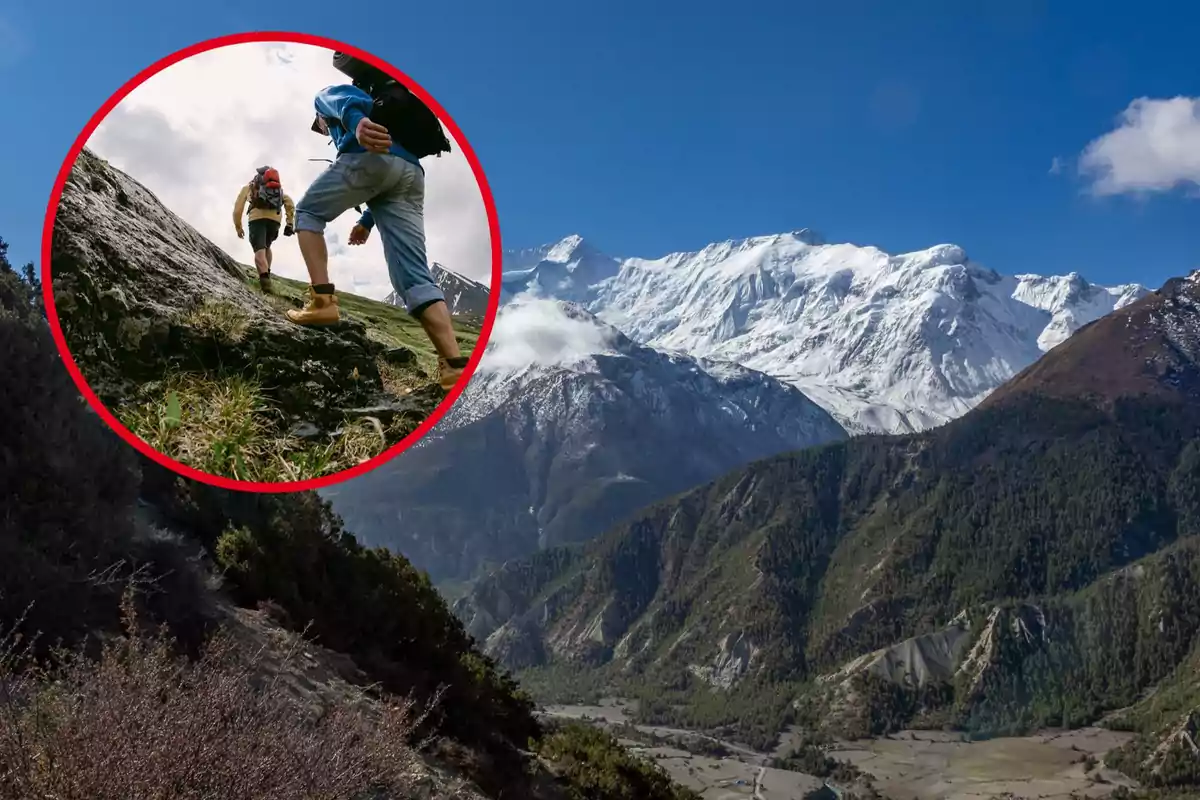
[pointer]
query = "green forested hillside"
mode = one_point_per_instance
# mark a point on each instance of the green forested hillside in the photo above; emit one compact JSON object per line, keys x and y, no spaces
{"x":1055,"y":526}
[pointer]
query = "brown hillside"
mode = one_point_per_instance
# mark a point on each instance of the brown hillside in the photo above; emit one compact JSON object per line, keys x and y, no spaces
{"x":1151,"y":347}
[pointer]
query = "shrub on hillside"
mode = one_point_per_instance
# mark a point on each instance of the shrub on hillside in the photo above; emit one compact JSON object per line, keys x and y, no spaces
{"x":377,"y":607}
{"x":68,"y":487}
{"x":598,"y":768}
{"x":142,"y":722}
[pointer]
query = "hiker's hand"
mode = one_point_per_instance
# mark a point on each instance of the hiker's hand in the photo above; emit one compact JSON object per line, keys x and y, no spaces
{"x":241,"y":233}
{"x":372,"y":136}
{"x":359,"y":234}
{"x":288,"y":230}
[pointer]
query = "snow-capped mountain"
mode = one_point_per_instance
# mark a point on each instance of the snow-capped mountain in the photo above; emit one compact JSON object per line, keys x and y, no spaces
{"x":567,"y":427}
{"x":565,"y":270}
{"x":463,"y":295}
{"x":890,"y":343}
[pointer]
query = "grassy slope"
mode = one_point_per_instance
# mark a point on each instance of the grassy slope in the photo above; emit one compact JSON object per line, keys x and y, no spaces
{"x":225,"y":423}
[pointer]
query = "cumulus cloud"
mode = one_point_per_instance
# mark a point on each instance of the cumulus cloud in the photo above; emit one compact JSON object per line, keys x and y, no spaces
{"x":194,"y":133}
{"x":1154,"y":148}
{"x":1056,"y":165}
{"x":542,"y":332}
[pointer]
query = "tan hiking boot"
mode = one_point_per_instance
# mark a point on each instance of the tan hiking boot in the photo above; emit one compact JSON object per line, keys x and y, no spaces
{"x":322,"y":309}
{"x":449,"y":371}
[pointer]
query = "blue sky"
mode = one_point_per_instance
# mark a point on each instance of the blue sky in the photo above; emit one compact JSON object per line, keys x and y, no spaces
{"x":652,"y":127}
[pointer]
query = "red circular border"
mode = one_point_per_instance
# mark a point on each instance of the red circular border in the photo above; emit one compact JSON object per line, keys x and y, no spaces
{"x":52,"y":313}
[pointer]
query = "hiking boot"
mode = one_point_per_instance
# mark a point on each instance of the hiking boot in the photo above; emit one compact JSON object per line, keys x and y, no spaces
{"x":322,"y":309}
{"x":449,"y":371}
{"x":264,"y":282}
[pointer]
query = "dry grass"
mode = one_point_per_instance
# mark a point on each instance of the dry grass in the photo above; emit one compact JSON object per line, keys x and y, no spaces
{"x":223,"y":320}
{"x":142,"y":723}
{"x":399,"y":381}
{"x":224,"y":426}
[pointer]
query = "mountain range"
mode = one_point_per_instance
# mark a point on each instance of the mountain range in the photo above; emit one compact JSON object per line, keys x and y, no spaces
{"x":609,"y":382}
{"x":1035,"y":562}
{"x":567,"y":427}
{"x":885,"y":343}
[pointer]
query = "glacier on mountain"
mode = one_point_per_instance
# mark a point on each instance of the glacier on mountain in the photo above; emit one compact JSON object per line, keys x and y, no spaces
{"x":891,"y":343}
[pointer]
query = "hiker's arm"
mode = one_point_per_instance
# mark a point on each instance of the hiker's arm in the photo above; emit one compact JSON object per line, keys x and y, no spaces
{"x":289,"y":208}
{"x":366,"y":220}
{"x":346,"y":104}
{"x":239,"y":208}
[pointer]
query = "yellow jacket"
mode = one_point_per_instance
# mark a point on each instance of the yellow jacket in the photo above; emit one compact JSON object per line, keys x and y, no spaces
{"x":243,"y":200}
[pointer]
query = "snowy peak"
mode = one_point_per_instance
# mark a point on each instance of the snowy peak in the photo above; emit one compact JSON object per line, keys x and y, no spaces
{"x":1072,"y":302}
{"x":568,"y":250}
{"x":564,"y":269}
{"x":463,"y":295}
{"x":1149,"y":348}
{"x":884,"y":342}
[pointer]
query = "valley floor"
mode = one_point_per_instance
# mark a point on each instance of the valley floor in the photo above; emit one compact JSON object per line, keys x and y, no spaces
{"x":909,"y":765}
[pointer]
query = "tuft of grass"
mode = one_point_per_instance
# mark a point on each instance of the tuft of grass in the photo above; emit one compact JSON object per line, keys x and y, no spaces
{"x":222,"y":426}
{"x":221,"y":319}
{"x":399,"y":381}
{"x":357,"y":442}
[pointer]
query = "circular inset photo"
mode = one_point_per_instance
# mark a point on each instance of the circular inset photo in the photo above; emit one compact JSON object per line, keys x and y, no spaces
{"x":269,"y":264}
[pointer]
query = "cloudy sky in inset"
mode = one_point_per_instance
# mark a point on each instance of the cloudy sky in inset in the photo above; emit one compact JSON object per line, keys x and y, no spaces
{"x":194,"y":133}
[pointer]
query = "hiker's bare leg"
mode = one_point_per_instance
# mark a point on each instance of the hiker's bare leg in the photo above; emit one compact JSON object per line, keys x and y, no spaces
{"x":262,"y":260}
{"x":435,"y":319}
{"x":270,"y":256}
{"x":316,"y":256}
{"x":326,"y":199}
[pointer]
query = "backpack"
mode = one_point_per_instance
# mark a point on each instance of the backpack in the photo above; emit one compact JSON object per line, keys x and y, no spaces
{"x":410,"y":122}
{"x":265,"y":189}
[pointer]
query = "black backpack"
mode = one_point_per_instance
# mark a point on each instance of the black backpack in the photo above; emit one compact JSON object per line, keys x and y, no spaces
{"x":410,"y":122}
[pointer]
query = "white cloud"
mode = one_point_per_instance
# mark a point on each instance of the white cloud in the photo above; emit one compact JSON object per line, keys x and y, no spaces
{"x":1155,"y":148}
{"x":1056,"y":165}
{"x":541,"y":332}
{"x":194,"y":133}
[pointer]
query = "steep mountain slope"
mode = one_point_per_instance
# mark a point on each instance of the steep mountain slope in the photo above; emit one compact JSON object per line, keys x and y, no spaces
{"x":1033,"y":562}
{"x":885,"y":343}
{"x":90,"y":532}
{"x":463,"y":295}
{"x":567,"y":427}
{"x":151,"y":310}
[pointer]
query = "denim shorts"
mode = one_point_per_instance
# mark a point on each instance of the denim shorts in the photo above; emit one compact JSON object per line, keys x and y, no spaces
{"x":394,"y":190}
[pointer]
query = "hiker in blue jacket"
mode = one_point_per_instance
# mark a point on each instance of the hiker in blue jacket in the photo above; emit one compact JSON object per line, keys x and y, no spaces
{"x":373,"y":168}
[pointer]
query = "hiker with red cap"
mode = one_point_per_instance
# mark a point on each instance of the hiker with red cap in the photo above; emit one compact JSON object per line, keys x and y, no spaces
{"x":265,"y":198}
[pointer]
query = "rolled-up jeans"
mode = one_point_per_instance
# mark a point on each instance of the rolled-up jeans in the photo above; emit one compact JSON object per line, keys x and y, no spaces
{"x":394,"y":190}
